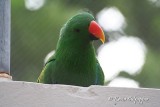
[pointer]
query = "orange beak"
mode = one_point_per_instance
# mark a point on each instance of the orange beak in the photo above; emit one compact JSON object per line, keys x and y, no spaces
{"x":96,"y":31}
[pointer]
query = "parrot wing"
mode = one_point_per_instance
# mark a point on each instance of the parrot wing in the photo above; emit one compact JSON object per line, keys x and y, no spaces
{"x":99,"y":75}
{"x":45,"y":76}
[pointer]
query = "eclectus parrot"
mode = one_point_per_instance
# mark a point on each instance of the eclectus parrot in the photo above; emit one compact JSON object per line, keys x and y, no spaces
{"x":74,"y":61}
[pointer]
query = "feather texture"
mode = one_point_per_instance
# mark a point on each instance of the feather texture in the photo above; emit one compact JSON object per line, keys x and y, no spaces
{"x":74,"y":61}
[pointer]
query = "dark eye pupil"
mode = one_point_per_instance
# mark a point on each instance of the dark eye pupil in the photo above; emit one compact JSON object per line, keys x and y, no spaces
{"x":77,"y":30}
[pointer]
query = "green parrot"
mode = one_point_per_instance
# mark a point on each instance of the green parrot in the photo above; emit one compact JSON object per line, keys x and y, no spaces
{"x":74,"y":61}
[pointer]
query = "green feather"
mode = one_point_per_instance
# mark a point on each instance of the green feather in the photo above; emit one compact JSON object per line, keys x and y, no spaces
{"x":74,"y":61}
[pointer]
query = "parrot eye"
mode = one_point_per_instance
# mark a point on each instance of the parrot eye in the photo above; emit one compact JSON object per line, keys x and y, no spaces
{"x":77,"y":30}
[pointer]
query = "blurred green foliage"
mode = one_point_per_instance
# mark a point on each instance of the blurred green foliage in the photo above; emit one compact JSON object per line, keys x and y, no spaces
{"x":35,"y":34}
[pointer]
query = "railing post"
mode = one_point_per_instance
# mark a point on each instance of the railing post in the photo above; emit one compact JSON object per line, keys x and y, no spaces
{"x":5,"y":16}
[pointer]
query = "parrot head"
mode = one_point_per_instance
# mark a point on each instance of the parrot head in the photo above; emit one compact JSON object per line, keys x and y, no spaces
{"x":82,"y":27}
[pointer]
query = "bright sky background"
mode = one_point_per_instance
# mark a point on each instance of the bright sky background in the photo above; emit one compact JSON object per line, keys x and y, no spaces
{"x":124,"y":82}
{"x":34,"y":4}
{"x":155,"y":2}
{"x":126,"y":53}
{"x":111,"y":19}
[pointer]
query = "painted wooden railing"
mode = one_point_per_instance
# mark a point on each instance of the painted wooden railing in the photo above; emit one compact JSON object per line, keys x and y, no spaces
{"x":27,"y":94}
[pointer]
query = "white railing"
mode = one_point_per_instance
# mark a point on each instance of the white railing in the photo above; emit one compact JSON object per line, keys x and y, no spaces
{"x":26,"y":94}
